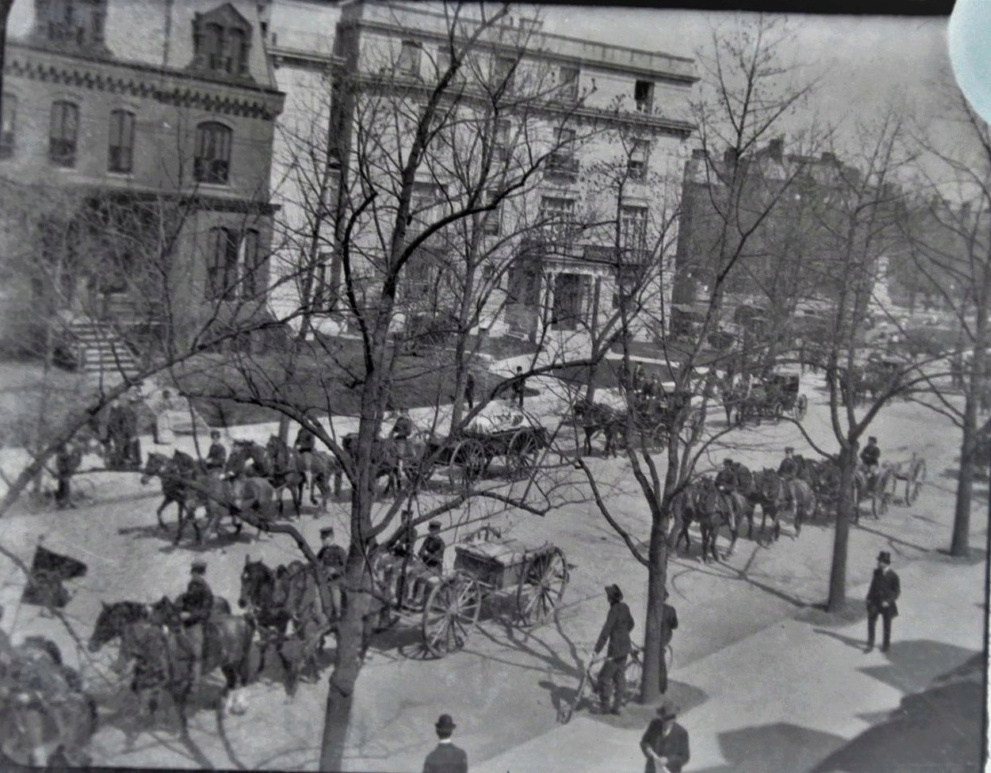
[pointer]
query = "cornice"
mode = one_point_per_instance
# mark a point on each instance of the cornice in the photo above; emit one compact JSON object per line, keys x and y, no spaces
{"x":647,"y":122}
{"x":144,"y":81}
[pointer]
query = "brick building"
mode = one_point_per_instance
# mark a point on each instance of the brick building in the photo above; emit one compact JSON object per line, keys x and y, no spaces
{"x":139,"y":133}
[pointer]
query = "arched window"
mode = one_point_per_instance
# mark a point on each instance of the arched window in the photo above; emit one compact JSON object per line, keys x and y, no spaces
{"x":63,"y":133}
{"x":8,"y":106}
{"x":121,"y":151}
{"x":222,"y":40}
{"x":252,"y":282}
{"x":213,"y":153}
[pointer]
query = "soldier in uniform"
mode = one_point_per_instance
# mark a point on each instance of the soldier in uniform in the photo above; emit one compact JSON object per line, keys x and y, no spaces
{"x":432,"y":556}
{"x":305,"y":441}
{"x":615,"y":632}
{"x":871,"y":455}
{"x":334,"y":559}
{"x":216,"y":457}
{"x":67,"y":462}
{"x":789,"y":465}
{"x":195,"y":607}
{"x":402,"y":430}
{"x":882,"y":598}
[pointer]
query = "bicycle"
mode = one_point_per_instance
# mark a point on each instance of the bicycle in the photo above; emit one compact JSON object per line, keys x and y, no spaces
{"x":633,"y":674}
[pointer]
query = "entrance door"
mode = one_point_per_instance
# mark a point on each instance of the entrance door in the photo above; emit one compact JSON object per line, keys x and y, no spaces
{"x":567,"y":301}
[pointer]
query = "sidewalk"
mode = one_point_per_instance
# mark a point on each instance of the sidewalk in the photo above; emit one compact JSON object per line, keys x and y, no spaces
{"x":788,"y":697}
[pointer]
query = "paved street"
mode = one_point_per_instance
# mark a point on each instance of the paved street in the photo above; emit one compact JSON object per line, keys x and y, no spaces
{"x":767,"y":682}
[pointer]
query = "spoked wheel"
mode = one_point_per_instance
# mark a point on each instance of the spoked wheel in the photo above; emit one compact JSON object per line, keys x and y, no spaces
{"x":541,"y":587}
{"x":634,"y":676}
{"x":521,"y":456}
{"x":467,"y":463}
{"x":777,"y":410}
{"x":880,"y":496}
{"x":451,"y":612}
{"x":801,"y":407}
{"x":914,"y":485}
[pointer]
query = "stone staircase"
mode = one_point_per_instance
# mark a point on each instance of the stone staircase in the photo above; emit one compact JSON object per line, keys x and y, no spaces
{"x":99,"y":350}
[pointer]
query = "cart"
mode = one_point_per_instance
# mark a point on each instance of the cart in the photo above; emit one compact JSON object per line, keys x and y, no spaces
{"x":786,"y":388}
{"x":762,"y":402}
{"x":654,"y":417}
{"x":531,"y":579}
{"x":885,"y":489}
{"x":499,"y":431}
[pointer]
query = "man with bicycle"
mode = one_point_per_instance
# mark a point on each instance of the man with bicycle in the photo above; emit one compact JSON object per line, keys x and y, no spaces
{"x":616,"y":631}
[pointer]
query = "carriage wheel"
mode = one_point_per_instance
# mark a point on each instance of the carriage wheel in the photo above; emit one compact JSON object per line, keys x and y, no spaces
{"x":467,"y":463}
{"x":879,"y":496}
{"x":914,"y":485}
{"x":777,"y":411}
{"x":521,"y":456}
{"x":801,"y":407}
{"x":451,"y":611}
{"x":542,"y":584}
{"x":634,"y":676}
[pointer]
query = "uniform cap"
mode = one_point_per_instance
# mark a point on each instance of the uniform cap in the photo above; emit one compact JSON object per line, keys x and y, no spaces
{"x":198,"y":565}
{"x":434,"y":526}
{"x":327,"y":531}
{"x":872,"y":439}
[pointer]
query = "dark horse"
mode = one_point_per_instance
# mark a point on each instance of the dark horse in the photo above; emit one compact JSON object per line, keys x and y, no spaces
{"x":274,"y":598}
{"x":594,"y":418}
{"x":390,"y":458}
{"x":263,"y":468}
{"x":288,"y":471}
{"x":703,"y":503}
{"x":46,"y":719}
{"x":163,"y":660}
{"x":778,"y":493}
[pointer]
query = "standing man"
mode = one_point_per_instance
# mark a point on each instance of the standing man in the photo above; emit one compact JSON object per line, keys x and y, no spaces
{"x":470,"y":390}
{"x":669,"y":622}
{"x":216,"y":457}
{"x":333,"y":558}
{"x":665,"y":742}
{"x":132,"y":443}
{"x":882,"y":599}
{"x":446,"y":757}
{"x":195,"y":608}
{"x":67,"y":462}
{"x":519,"y":386}
{"x":616,"y":631}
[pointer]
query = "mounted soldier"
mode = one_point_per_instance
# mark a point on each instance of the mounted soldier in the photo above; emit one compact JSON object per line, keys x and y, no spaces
{"x":333,"y":558}
{"x":216,"y":457}
{"x":789,"y":467}
{"x":195,"y":608}
{"x":402,"y":430}
{"x":305,"y":441}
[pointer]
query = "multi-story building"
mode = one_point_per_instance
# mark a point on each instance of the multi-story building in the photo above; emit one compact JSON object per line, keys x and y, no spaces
{"x":146,"y":127}
{"x":600,"y":133}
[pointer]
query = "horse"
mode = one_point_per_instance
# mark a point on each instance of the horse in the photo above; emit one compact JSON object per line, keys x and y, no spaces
{"x":704,"y":503}
{"x":391,"y":457}
{"x":778,"y":493}
{"x":288,"y":471}
{"x":245,"y":488}
{"x":318,"y":468}
{"x":46,"y":719}
{"x":732,"y":396}
{"x":181,"y":478}
{"x":594,"y":418}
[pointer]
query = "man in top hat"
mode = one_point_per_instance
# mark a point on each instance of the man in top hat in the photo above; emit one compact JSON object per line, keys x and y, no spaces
{"x":216,"y":457}
{"x":882,"y":599}
{"x":446,"y":757}
{"x":665,"y":742}
{"x":615,"y":631}
{"x":669,"y":622}
{"x":195,"y":608}
{"x":333,"y":558}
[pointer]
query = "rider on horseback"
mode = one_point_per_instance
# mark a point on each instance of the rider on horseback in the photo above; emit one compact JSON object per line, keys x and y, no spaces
{"x":402,"y":430}
{"x":305,"y":441}
{"x":195,"y":607}
{"x":216,"y":457}
{"x":789,"y":465}
{"x":870,"y":457}
{"x":333,"y":558}
{"x":727,"y":482}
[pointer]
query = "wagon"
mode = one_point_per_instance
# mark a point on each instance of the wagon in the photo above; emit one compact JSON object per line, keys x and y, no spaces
{"x":501,"y":572}
{"x":654,"y":417}
{"x":500,"y":431}
{"x":791,"y":400}
{"x":885,"y":486}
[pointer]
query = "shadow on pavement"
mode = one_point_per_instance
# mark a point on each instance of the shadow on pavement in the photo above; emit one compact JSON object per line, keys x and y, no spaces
{"x":914,"y":665}
{"x":777,"y":747}
{"x":937,"y":729}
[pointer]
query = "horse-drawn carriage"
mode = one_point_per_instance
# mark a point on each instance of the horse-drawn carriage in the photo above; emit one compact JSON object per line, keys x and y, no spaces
{"x":645,"y":421}
{"x":499,"y":430}
{"x":771,"y":398}
{"x":501,"y":573}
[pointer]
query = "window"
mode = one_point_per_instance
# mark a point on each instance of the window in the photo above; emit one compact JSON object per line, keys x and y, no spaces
{"x":72,"y":22}
{"x":213,"y":153}
{"x":557,"y":216}
{"x":121,"y":156}
{"x":568,"y":83}
{"x":8,"y":106}
{"x":63,"y":133}
{"x":493,"y":219}
{"x":633,"y":228}
{"x":561,"y":161}
{"x":503,"y":129}
{"x":221,"y":275}
{"x":643,"y":96}
{"x":252,"y":284}
{"x":504,"y":72}
{"x":222,"y":42}
{"x":409,"y":57}
{"x":637,"y":162}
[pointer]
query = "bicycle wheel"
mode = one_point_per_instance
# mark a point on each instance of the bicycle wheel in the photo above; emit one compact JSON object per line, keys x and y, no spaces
{"x":634,"y":676}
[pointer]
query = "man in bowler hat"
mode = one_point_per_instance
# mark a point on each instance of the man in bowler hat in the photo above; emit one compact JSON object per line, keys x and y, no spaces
{"x":665,"y":742}
{"x":882,"y":599}
{"x":446,"y":757}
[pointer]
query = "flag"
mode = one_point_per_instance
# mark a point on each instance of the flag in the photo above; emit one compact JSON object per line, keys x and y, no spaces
{"x":48,"y":571}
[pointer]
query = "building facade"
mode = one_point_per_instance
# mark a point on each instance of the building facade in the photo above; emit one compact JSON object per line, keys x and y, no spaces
{"x":600,"y":133}
{"x":144,"y":128}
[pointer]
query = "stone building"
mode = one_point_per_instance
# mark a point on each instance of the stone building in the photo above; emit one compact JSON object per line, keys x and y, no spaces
{"x":605,"y":128}
{"x":139,"y":135}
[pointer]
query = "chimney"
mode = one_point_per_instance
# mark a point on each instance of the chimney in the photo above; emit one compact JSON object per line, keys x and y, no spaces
{"x":776,"y":147}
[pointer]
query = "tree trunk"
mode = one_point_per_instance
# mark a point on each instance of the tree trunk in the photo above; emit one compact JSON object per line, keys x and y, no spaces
{"x":650,"y":688}
{"x":844,"y":512}
{"x":960,"y":544}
